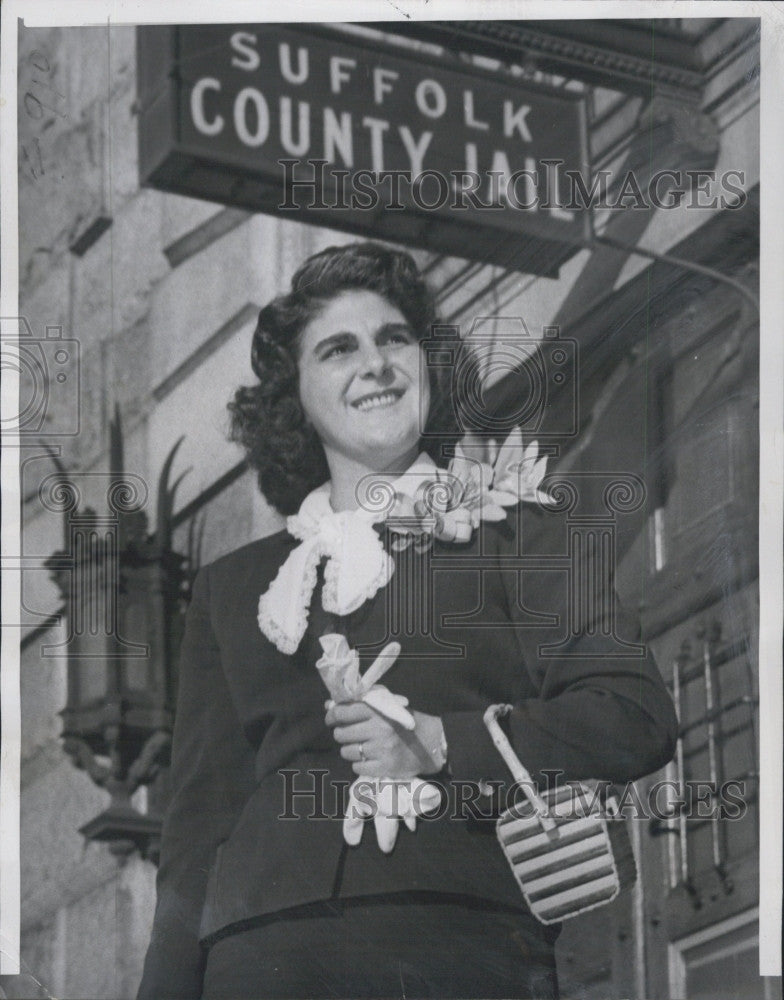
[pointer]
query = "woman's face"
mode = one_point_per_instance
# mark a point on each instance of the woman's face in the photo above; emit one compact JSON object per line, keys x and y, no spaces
{"x":362,"y":382}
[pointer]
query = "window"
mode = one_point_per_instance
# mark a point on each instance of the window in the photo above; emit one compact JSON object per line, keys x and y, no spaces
{"x":721,"y":962}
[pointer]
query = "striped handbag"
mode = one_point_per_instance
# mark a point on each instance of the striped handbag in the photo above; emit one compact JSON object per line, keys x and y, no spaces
{"x":567,"y":852}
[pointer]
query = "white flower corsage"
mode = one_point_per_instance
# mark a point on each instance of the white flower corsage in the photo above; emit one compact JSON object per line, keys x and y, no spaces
{"x":451,"y":506}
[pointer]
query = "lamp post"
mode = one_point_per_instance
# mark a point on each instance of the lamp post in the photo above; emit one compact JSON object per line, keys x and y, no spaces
{"x":125,"y":591}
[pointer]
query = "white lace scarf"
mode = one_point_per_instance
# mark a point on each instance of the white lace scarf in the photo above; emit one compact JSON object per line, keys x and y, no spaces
{"x":356,"y":567}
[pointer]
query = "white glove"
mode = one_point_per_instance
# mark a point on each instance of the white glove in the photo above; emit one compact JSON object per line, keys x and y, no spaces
{"x":339,"y":668}
{"x":387,"y":801}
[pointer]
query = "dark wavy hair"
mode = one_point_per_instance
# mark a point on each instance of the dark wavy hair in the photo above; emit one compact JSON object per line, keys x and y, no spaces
{"x":267,"y":419}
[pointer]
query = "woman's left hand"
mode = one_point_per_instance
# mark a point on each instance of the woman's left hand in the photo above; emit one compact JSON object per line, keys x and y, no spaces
{"x":379,"y":748}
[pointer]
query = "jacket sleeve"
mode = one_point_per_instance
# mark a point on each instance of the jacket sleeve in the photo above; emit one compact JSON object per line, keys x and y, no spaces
{"x":211,"y":778}
{"x":601,"y":712}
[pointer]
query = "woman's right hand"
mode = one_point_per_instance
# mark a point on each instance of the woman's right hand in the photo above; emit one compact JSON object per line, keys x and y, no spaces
{"x":380,"y":748}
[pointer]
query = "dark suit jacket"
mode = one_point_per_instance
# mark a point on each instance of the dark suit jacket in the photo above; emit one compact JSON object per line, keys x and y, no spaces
{"x":502,"y":619}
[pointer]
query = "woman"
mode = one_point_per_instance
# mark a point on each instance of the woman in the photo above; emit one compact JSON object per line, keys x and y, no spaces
{"x":263,"y":890}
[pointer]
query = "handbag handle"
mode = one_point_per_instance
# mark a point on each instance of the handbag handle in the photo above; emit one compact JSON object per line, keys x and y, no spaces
{"x":519,"y":773}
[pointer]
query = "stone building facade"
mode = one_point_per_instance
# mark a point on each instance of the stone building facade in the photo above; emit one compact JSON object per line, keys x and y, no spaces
{"x":160,"y":293}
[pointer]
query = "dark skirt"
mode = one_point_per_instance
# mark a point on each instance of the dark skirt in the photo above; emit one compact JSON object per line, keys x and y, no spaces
{"x":406,"y":947}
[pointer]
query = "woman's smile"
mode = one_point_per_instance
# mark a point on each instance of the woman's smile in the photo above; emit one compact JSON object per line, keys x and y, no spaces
{"x":378,"y":400}
{"x":363,"y":383}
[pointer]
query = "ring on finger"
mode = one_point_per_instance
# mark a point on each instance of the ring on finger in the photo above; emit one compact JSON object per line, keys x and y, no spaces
{"x":361,"y":749}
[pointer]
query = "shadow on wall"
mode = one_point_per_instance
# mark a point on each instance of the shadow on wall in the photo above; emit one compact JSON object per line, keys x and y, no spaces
{"x":22,"y":987}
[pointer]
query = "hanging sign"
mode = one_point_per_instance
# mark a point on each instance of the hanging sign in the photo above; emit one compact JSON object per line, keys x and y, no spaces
{"x":336,"y":129}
